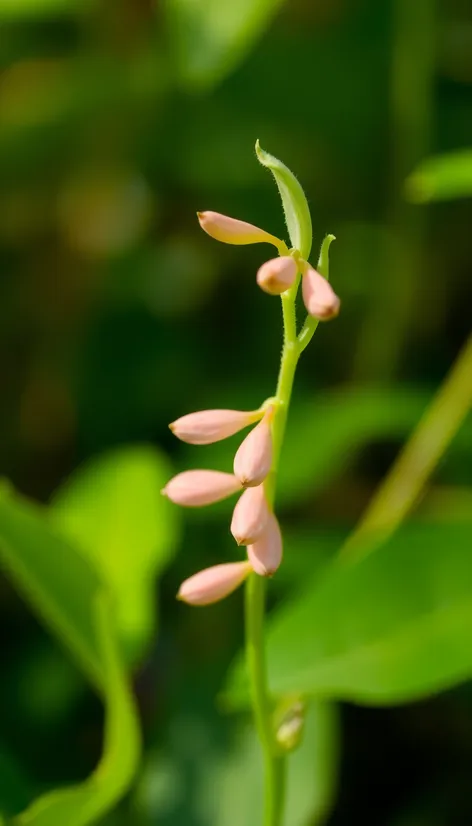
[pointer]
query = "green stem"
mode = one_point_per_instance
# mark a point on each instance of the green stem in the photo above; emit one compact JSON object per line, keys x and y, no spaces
{"x":274,"y":761}
{"x":308,"y":330}
{"x":408,"y":476}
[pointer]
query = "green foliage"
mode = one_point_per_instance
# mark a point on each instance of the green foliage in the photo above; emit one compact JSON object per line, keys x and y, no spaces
{"x":113,"y":510}
{"x":442,"y":178}
{"x":85,"y":803}
{"x":348,"y":421}
{"x":54,"y":576}
{"x":311,"y":780}
{"x":392,"y":628}
{"x":70,"y":596}
{"x":209,"y":37}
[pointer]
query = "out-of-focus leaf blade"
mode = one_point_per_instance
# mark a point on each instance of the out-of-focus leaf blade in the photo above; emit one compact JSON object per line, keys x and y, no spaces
{"x":311,"y":779}
{"x":313,"y":767}
{"x":58,"y":581}
{"x":295,"y":205}
{"x":325,"y":435}
{"x":441,"y":178}
{"x":392,"y":628}
{"x":113,"y":510}
{"x":65,"y":589}
{"x":83,"y":804}
{"x":210,"y":37}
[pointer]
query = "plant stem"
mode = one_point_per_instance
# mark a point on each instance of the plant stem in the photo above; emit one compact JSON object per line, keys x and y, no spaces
{"x":274,"y":761}
{"x":405,"y":481}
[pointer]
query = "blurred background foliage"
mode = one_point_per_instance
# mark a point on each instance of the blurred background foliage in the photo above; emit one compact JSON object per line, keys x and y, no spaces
{"x":118,"y":120}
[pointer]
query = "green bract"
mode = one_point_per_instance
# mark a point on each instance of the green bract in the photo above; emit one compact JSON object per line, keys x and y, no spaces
{"x":297,"y":213}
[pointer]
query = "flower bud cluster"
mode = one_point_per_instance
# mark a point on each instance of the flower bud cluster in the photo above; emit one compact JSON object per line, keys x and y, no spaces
{"x":278,"y":274}
{"x":253,"y":523}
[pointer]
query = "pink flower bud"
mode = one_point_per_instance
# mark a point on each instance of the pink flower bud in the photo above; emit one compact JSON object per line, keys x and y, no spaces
{"x":320,"y":299}
{"x":194,"y":488}
{"x":253,"y":459}
{"x":214,"y":583}
{"x":208,"y":426}
{"x":277,"y":275}
{"x":232,"y":231}
{"x":250,"y":516}
{"x":265,"y":555}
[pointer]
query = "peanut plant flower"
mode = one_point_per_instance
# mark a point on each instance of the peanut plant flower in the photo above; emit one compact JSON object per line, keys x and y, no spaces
{"x":253,"y":522}
{"x":232,"y":231}
{"x":265,"y":555}
{"x":195,"y":488}
{"x":250,"y":516}
{"x":277,"y":274}
{"x":207,"y":426}
{"x":318,"y":295}
{"x":253,"y":459}
{"x":213,"y":584}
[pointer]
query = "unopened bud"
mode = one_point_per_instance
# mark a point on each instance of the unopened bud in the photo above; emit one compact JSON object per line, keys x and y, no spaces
{"x":318,"y":295}
{"x":250,"y":516}
{"x":194,"y":488}
{"x":253,"y":459}
{"x":208,"y":426}
{"x":232,"y":231}
{"x":290,"y":728}
{"x":277,"y":275}
{"x":265,"y":555}
{"x":213,"y":584}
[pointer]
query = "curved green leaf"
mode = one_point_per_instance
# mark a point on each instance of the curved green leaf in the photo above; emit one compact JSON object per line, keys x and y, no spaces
{"x":83,"y":804}
{"x":392,"y":628}
{"x":112,"y":509}
{"x":55,"y":578}
{"x":68,"y":593}
{"x":296,"y":210}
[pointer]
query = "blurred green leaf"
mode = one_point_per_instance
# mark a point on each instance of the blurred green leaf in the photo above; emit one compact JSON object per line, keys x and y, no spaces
{"x":113,"y":510}
{"x":66,"y":590}
{"x":296,"y":211}
{"x":210,"y":37}
{"x":441,"y":178}
{"x":347,"y":419}
{"x":59,"y":582}
{"x":83,"y":804}
{"x":312,"y":771}
{"x":392,"y":628}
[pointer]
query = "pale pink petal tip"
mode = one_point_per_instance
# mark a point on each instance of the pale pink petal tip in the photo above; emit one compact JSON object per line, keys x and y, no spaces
{"x":194,"y":488}
{"x":277,"y":275}
{"x":214,"y":583}
{"x":232,"y":231}
{"x":253,"y":459}
{"x":265,"y":555}
{"x":207,"y":426}
{"x":319,"y":297}
{"x":250,"y":516}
